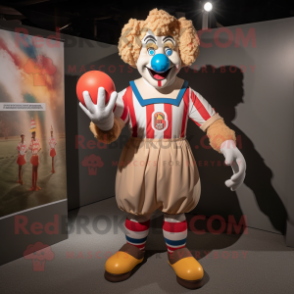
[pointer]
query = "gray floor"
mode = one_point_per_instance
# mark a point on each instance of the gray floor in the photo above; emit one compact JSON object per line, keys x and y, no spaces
{"x":257,"y":262}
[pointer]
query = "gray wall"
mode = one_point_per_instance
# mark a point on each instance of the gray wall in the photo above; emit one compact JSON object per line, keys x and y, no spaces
{"x":257,"y":103}
{"x":87,"y":55}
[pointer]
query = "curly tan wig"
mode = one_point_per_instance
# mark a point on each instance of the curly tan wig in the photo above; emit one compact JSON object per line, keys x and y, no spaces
{"x":161,"y":24}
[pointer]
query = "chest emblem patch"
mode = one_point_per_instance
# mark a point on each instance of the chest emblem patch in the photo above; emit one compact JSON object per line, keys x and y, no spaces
{"x":159,"y":121}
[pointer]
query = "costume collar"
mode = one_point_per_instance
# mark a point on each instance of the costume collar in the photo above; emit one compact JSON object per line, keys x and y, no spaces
{"x":145,"y":102}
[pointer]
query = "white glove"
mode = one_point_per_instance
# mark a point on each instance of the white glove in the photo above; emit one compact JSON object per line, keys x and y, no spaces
{"x":101,"y":115}
{"x":235,"y":159}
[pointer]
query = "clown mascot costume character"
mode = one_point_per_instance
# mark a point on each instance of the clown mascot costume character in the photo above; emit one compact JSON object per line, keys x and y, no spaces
{"x":52,"y":144}
{"x":156,"y":108}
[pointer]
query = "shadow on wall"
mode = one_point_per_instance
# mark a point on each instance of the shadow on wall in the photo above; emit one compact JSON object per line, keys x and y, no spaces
{"x":72,"y":156}
{"x":224,"y":91}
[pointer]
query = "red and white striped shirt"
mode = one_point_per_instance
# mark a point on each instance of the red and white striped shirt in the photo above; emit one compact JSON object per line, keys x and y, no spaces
{"x":52,"y":143}
{"x":35,"y":146}
{"x":162,"y":120}
{"x":21,"y":147}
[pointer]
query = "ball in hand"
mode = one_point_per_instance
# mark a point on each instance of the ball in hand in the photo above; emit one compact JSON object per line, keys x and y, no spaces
{"x":91,"y":81}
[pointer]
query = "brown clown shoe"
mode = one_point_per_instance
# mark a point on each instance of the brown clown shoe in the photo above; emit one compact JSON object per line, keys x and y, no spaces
{"x":188,"y":270}
{"x":120,"y":266}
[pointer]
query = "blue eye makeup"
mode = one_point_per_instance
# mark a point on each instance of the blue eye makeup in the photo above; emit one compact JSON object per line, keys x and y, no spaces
{"x":151,"y":51}
{"x":168,"y":51}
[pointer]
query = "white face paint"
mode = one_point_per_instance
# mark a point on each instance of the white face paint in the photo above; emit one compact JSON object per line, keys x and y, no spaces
{"x":151,"y":46}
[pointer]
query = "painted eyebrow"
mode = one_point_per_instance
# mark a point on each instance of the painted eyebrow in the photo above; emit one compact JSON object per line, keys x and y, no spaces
{"x":168,"y":38}
{"x":169,"y":44}
{"x":150,"y":37}
{"x":151,"y":45}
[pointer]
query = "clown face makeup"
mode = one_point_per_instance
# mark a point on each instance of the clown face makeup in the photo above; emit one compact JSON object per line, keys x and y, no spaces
{"x":159,"y":60}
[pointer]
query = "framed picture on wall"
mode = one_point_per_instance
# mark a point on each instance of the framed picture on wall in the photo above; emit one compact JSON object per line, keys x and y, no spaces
{"x":32,"y":124}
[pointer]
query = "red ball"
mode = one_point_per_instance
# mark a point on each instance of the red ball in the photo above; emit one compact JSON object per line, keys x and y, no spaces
{"x":91,"y":81}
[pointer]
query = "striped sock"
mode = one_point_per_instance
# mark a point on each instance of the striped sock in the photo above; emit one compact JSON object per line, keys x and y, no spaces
{"x":175,"y":231}
{"x":137,"y":229}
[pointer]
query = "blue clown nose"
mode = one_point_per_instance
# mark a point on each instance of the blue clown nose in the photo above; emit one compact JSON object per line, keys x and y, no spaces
{"x":160,"y":63}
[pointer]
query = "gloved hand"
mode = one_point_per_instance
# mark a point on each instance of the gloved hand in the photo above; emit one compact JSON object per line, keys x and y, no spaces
{"x":235,"y":159}
{"x":101,"y":115}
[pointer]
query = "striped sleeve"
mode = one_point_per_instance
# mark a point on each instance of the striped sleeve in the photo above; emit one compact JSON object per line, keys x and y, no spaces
{"x":38,"y":144}
{"x":121,"y":109}
{"x":200,"y":111}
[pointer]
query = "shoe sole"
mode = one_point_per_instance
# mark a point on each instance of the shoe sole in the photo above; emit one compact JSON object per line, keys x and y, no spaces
{"x":190,"y":284}
{"x":116,"y":278}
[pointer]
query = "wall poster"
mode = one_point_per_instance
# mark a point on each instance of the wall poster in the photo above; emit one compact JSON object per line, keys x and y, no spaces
{"x":32,"y":124}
